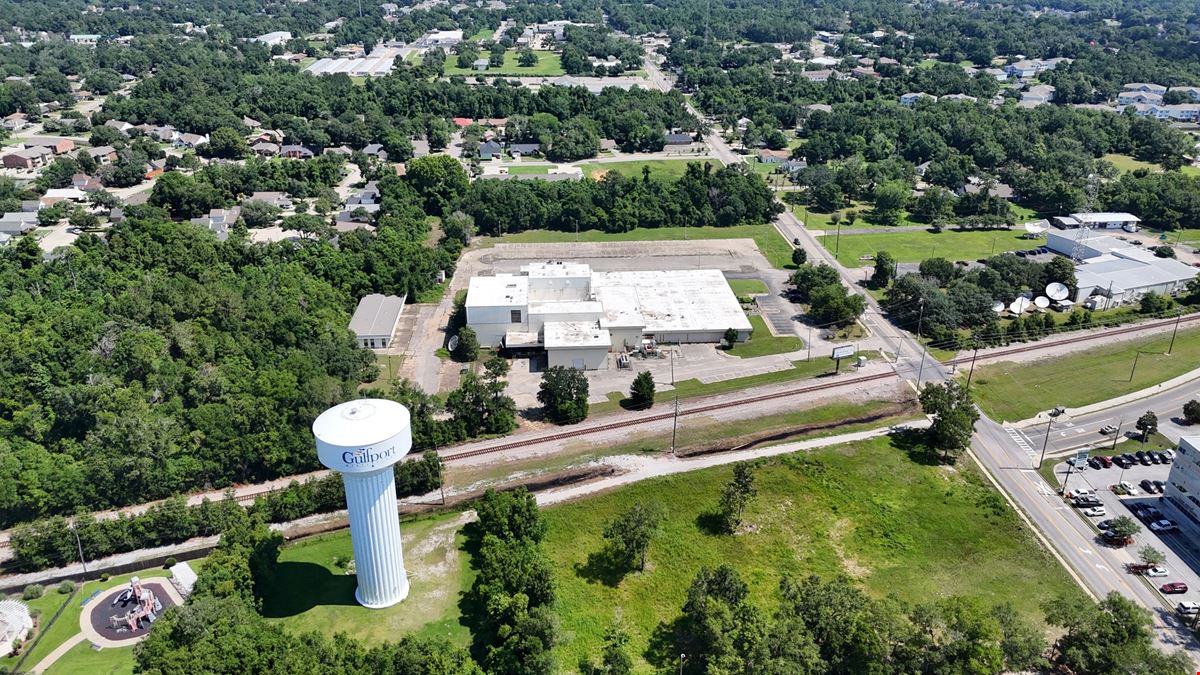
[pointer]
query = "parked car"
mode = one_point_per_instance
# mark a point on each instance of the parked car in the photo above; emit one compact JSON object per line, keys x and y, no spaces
{"x":1145,"y":460}
{"x":1160,"y":486}
{"x":796,"y":241}
{"x":1155,"y":458}
{"x":1170,"y":454}
{"x":1156,"y":571}
{"x":1106,"y":462}
{"x":1087,"y":500}
{"x":1095,"y":463}
{"x":1021,"y":254}
{"x":1163,"y":525}
{"x":1147,"y":485}
{"x":1120,"y":461}
{"x":1108,"y":429}
{"x":1164,"y":457}
{"x":1104,"y":524}
{"x":1125,"y":488}
{"x":1174,"y":587}
{"x":1188,"y":607}
{"x":1095,"y":512}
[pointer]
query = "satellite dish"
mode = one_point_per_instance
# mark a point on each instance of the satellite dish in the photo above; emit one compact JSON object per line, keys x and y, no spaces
{"x":998,"y":307}
{"x":453,"y":343}
{"x":1057,"y":291}
{"x":1019,"y":305}
{"x":1042,"y":301}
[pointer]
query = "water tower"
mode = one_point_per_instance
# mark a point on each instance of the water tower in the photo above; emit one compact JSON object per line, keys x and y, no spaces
{"x":362,"y":440}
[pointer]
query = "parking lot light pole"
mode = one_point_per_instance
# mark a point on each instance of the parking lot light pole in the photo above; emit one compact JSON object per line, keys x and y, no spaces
{"x":1046,"y":441}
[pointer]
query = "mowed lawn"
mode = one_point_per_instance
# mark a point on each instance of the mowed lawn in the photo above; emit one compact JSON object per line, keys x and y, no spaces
{"x":311,"y":592}
{"x":549,"y":65}
{"x":866,"y":510}
{"x":83,"y":660}
{"x":747,"y":286}
{"x":1016,"y":391}
{"x":773,"y":246}
{"x":918,"y":246}
{"x":659,"y":168}
{"x":762,"y":343}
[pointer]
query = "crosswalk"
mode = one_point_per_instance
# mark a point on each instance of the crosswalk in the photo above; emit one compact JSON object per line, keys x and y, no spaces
{"x":1020,"y":439}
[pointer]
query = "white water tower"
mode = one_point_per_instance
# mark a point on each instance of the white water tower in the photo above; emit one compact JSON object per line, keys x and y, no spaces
{"x":362,"y":440}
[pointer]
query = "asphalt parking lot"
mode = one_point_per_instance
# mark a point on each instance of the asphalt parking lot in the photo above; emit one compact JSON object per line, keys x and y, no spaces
{"x":1183,"y":557}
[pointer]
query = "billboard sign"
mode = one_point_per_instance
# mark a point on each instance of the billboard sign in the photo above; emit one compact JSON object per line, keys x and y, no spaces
{"x":844,"y":351}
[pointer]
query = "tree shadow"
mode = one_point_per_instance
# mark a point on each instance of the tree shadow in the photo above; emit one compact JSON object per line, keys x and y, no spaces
{"x":322,"y":588}
{"x":664,"y":648}
{"x":472,"y":610}
{"x":628,"y":404}
{"x":711,"y":522}
{"x":602,"y":567}
{"x":912,"y":442}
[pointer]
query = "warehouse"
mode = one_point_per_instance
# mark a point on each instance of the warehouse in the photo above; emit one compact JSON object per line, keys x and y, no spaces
{"x":1103,"y":221}
{"x":1126,"y":274}
{"x":578,"y":315}
{"x":1091,"y":244}
{"x":374,"y":321}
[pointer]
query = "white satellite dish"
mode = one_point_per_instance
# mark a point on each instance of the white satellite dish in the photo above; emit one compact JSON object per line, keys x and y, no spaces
{"x":1037,"y":227}
{"x":998,"y":307}
{"x":1057,"y":291}
{"x":1019,"y":305}
{"x":1042,"y":301}
{"x":453,"y":343}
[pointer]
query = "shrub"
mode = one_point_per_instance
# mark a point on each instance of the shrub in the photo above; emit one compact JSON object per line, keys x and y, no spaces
{"x":33,"y":592}
{"x":67,"y":587}
{"x":170,"y":562}
{"x":104,"y":577}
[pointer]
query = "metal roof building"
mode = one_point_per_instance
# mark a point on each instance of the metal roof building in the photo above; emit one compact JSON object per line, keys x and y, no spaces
{"x":374,"y":321}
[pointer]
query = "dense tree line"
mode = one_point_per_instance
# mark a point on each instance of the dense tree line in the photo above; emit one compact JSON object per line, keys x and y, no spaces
{"x":600,"y":43}
{"x":50,"y":542}
{"x":702,"y":196}
{"x":831,"y":626}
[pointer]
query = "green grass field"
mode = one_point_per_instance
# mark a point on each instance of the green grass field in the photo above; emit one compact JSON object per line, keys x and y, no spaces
{"x":1126,"y":163}
{"x":866,"y":510}
{"x":549,"y":65}
{"x":1011,"y":392}
{"x":431,"y":552}
{"x":917,"y":246}
{"x":83,"y":660}
{"x":747,"y":286}
{"x":516,"y":169}
{"x":48,"y":604}
{"x":773,"y":246}
{"x":762,"y":343}
{"x":659,"y":168}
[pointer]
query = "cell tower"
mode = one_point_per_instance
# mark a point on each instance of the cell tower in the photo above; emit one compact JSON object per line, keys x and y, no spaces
{"x":362,"y":440}
{"x":1085,"y":228}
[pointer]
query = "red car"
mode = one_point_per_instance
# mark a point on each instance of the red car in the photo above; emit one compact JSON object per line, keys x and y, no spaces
{"x":1174,"y":587}
{"x":1106,"y":461}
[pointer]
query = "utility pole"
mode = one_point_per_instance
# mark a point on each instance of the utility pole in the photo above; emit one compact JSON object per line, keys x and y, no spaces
{"x":1045,"y":442}
{"x":79,"y":547}
{"x":971,"y":372}
{"x":837,"y":243}
{"x":1135,"y":360}
{"x":1174,"y":331}
{"x":675,"y":418}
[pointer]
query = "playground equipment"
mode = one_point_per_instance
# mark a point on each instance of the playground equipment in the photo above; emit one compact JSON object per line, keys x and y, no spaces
{"x":146,"y":607}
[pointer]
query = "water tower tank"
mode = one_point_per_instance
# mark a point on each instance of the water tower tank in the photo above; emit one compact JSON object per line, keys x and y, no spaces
{"x":362,"y":440}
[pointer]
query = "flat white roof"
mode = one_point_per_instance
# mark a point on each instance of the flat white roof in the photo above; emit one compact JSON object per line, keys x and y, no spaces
{"x":502,"y":290}
{"x":1129,"y":269}
{"x":575,"y":335}
{"x":556,"y":270}
{"x":1106,"y":217}
{"x":566,"y":307}
{"x":672,"y":300}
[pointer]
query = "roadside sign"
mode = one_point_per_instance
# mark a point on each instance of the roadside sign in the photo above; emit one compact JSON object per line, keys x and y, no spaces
{"x":1081,"y":458}
{"x":844,"y":351}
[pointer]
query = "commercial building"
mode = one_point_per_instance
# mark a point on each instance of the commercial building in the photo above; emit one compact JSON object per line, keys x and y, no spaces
{"x":1183,"y":483}
{"x":578,"y":316}
{"x":1103,"y":221}
{"x":272,"y":39}
{"x":374,"y":321}
{"x":1111,"y":273}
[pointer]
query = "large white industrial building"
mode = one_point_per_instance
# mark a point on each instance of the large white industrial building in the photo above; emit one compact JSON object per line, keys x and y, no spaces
{"x":578,"y":316}
{"x":1111,"y":272}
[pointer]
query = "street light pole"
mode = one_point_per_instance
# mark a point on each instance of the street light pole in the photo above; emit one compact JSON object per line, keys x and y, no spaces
{"x":1045,"y":442}
{"x":675,"y":418}
{"x":972,"y":370}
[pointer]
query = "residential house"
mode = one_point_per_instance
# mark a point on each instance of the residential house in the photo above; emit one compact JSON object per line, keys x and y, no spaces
{"x":999,"y":73}
{"x":123,"y":127}
{"x":1192,"y":92}
{"x":295,"y":152}
{"x":1024,"y":69}
{"x":1145,"y":87}
{"x":163,"y":134}
{"x":26,"y":158}
{"x":250,"y":123}
{"x":911,"y":98}
{"x":766,"y":156}
{"x":84,"y":182}
{"x":116,"y":215}
{"x":279,"y":200}
{"x":1179,"y":112}
{"x":265,"y":149}
{"x":463,"y":122}
{"x":375,"y":150}
{"x":420,"y":148}
{"x":56,"y":195}
{"x":189,"y":140}
{"x":89,"y":40}
{"x":480,"y":64}
{"x":18,"y":222}
{"x":490,"y":149}
{"x":55,"y":144}
{"x":343,"y":150}
{"x":607,"y":145}
{"x":268,"y":136}
{"x":817,"y":75}
{"x":155,"y":168}
{"x":105,"y":154}
{"x":825,"y":61}
{"x":273,"y":38}
{"x":15,"y":121}
{"x":524,"y":149}
{"x":218,"y":221}
{"x":1036,"y":95}
{"x":863,"y":72}
{"x":369,"y":194}
{"x":959,"y":97}
{"x":1133,"y":96}
{"x":5,"y":239}
{"x":794,"y":166}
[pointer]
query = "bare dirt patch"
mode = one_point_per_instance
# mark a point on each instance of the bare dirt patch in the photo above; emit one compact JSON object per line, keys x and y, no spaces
{"x":836,"y":535}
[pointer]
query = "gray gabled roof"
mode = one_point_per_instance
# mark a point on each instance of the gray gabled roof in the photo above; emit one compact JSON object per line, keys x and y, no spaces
{"x":377,"y":314}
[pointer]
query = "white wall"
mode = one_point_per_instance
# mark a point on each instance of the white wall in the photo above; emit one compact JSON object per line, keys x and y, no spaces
{"x":592,"y":358}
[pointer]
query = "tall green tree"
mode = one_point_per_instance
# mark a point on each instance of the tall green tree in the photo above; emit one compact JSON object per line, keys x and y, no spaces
{"x":736,"y":496}
{"x":954,"y":416}
{"x":641,"y":393}
{"x":630,"y":534}
{"x":563,"y":394}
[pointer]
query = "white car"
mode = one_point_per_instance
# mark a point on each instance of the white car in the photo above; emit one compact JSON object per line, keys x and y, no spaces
{"x":1125,"y":487}
{"x":1163,"y":526}
{"x":1188,"y":607}
{"x":1095,"y":512}
{"x":1083,"y":492}
{"x":1157,"y":572}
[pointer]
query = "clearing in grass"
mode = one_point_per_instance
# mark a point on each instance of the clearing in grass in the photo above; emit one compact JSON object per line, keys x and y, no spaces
{"x":1017,"y":391}
{"x":549,"y":65}
{"x":762,"y":343}
{"x":878,"y":511}
{"x":659,"y":168}
{"x":909,"y":246}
